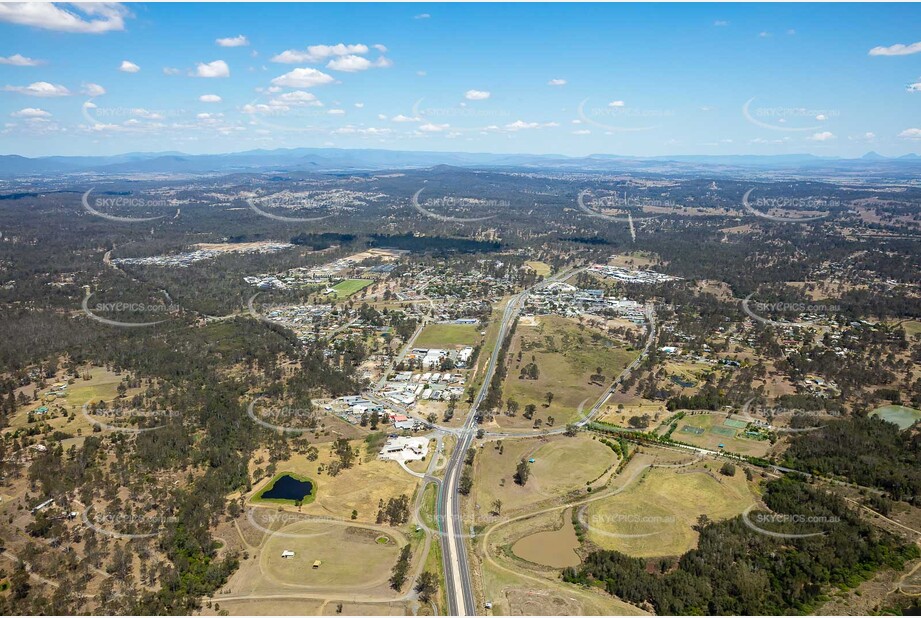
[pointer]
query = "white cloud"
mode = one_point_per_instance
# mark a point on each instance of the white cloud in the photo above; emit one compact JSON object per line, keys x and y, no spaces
{"x":303,"y":78}
{"x":381,"y":48}
{"x":430,"y":127}
{"x":791,"y":32}
{"x":128,"y":67}
{"x":824,"y":136}
{"x":298,"y":97}
{"x":421,"y":73}
{"x":235,"y":41}
{"x":869,"y":135}
{"x":476,"y":95}
{"x":40,"y":89}
{"x":581,"y":132}
{"x":422,"y":16}
{"x":319,"y":53}
{"x":821,"y":117}
{"x":369,"y":131}
{"x":18,"y":60}
{"x":616,"y":104}
{"x":171,"y":71}
{"x":359,"y":105}
{"x":898,"y":49}
{"x":96,"y":19}
{"x":353,"y":63}
{"x":336,"y":112}
{"x":557,"y":82}
{"x":210,"y":98}
{"x":721,"y":23}
{"x":910,"y":134}
{"x":218,"y":68}
{"x":915,"y":87}
{"x":31,"y":112}
{"x":764,"y":34}
{"x":92,"y":90}
{"x":402,"y":118}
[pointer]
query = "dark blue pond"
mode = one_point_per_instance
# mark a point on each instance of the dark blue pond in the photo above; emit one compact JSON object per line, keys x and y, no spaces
{"x":288,"y":488}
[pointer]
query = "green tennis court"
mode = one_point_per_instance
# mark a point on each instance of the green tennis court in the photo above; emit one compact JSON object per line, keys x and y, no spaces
{"x":724,"y":431}
{"x":694,"y":430}
{"x":731,"y":422}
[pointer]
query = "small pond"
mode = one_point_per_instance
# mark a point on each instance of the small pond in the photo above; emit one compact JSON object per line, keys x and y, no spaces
{"x":288,"y":488}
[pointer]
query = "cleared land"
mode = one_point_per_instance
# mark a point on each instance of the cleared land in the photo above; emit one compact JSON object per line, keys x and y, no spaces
{"x":552,"y":548}
{"x":655,"y":515}
{"x":540,"y":268}
{"x":561,"y":465}
{"x":566,"y":355}
{"x":448,"y":335}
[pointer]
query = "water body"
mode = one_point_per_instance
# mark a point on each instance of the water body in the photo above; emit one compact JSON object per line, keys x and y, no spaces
{"x":900,"y":415}
{"x":288,"y":488}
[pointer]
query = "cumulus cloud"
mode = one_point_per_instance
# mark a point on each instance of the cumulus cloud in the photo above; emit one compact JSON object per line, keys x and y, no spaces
{"x":235,"y":41}
{"x":824,"y":136}
{"x":128,"y":67}
{"x":910,"y":134}
{"x":336,"y":112}
{"x":402,"y":118}
{"x":40,"y":89}
{"x":557,"y":82}
{"x":352,"y":63}
{"x":720,"y":23}
{"x":18,"y":60}
{"x":92,"y":90}
{"x":210,"y":98}
{"x":520,"y":125}
{"x":31,"y":112}
{"x":422,"y":16}
{"x":915,"y":87}
{"x":821,"y":117}
{"x":318,"y":53}
{"x":581,"y":132}
{"x":171,"y":71}
{"x":898,"y":49}
{"x":476,"y":95}
{"x":298,"y":97}
{"x":96,"y":18}
{"x":431,"y":127}
{"x":218,"y":68}
{"x":303,"y":78}
{"x":616,"y":104}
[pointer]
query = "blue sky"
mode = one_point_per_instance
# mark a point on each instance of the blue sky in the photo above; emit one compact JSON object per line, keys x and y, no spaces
{"x":575,"y":79}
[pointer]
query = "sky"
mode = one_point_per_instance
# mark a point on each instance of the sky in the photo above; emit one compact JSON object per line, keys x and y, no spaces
{"x":572,"y":79}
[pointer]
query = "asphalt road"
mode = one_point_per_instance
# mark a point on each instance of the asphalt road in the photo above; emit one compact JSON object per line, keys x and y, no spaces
{"x":459,"y":587}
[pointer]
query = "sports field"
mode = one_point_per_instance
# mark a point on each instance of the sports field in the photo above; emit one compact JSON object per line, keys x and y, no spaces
{"x":710,"y":430}
{"x":346,"y":288}
{"x":540,"y":268}
{"x":448,"y":335}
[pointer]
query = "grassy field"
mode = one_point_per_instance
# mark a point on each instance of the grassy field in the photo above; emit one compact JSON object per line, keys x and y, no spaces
{"x":900,"y":415}
{"x":541,"y":269}
{"x":716,"y":432}
{"x":349,"y":556}
{"x":566,"y":356}
{"x":655,"y":515}
{"x":346,"y":288}
{"x":358,"y":488}
{"x":561,"y":465}
{"x":448,"y":335}
{"x":268,"y":486}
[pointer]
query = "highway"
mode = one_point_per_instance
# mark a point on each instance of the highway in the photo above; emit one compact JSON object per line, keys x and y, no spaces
{"x":459,"y":587}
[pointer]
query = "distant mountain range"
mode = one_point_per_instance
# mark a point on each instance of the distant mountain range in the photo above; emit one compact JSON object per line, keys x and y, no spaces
{"x":332,"y":160}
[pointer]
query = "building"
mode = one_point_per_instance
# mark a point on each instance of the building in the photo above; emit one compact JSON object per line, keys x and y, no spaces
{"x":404,"y":448}
{"x":287,"y":554}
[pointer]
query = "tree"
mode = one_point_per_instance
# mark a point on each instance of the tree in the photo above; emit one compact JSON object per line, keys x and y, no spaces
{"x":466,"y":482}
{"x":549,"y":398}
{"x":728,"y":469}
{"x":497,"y":507}
{"x":571,"y":430}
{"x":427,"y":586}
{"x":529,"y":411}
{"x":522,"y":472}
